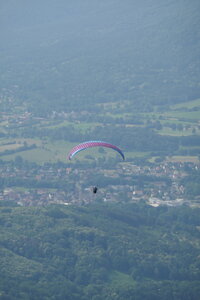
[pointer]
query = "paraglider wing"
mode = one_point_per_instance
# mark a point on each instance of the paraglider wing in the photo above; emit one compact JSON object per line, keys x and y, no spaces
{"x":90,"y":144}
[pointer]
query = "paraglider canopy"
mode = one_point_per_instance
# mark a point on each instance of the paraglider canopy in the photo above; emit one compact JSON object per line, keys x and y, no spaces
{"x":90,"y":144}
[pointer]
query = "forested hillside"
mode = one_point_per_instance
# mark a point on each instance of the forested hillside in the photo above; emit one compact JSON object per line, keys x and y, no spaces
{"x":112,"y":252}
{"x":66,"y":55}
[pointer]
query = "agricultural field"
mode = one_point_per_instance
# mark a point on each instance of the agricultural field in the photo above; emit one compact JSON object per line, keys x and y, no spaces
{"x":49,"y":139}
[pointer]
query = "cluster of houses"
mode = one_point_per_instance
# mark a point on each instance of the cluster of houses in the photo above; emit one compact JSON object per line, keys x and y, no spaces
{"x":32,"y":197}
{"x":157,"y":184}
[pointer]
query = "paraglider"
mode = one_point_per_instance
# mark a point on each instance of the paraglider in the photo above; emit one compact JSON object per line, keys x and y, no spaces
{"x":91,"y":144}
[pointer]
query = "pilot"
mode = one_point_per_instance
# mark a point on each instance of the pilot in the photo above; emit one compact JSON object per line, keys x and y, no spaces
{"x":94,"y":190}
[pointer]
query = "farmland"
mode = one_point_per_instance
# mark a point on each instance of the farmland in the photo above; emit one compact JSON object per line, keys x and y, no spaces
{"x":24,"y":128}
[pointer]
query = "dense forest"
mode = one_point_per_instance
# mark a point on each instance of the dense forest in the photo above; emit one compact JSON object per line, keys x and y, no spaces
{"x":99,"y":251}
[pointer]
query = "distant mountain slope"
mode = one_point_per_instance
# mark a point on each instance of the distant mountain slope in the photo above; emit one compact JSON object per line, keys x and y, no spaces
{"x":104,"y":252}
{"x":64,"y":55}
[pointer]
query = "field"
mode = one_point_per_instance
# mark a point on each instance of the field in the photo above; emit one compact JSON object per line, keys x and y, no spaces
{"x":82,"y":126}
{"x":45,"y":151}
{"x":188,"y":105}
{"x":193,"y":159}
{"x":177,"y":121}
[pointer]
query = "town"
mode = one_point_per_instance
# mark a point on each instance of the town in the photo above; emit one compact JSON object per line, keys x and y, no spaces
{"x":156,"y":184}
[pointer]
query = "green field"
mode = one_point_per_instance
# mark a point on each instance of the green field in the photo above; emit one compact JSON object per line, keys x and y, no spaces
{"x":183,"y":115}
{"x":121,"y":280}
{"x":45,"y":152}
{"x":189,"y":104}
{"x":185,"y":132}
{"x":184,"y":158}
{"x":82,"y":126}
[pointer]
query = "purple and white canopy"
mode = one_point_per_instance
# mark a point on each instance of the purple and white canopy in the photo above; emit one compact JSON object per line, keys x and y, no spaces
{"x":90,"y":144}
